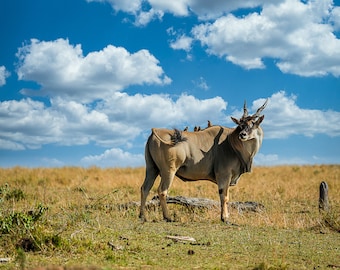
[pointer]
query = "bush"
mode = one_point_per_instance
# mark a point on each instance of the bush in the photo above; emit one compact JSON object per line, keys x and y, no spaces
{"x":21,"y":221}
{"x":7,"y":194}
{"x":20,"y":227}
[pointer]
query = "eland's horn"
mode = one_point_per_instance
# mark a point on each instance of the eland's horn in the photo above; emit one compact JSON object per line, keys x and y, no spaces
{"x":245,"y":111}
{"x":259,"y":110}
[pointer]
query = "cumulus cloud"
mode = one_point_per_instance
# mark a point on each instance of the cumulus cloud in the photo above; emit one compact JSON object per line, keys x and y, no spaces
{"x":130,"y":6}
{"x":284,"y":118}
{"x":201,"y":83}
{"x":52,"y":162}
{"x":114,"y":157}
{"x":178,"y":8}
{"x":111,"y":123}
{"x":274,"y":160}
{"x":3,"y":75}
{"x":115,"y":121}
{"x":30,"y":124}
{"x":84,"y":124}
{"x":335,"y":18}
{"x":144,"y":17}
{"x":63,"y":71}
{"x":262,"y":159}
{"x":155,"y":8}
{"x":148,"y":108}
{"x":10,"y":145}
{"x":205,"y":10}
{"x":182,"y":42}
{"x":298,"y":35}
{"x":292,"y":32}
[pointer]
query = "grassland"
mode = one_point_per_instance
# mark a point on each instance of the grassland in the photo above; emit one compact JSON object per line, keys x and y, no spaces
{"x":69,"y":217}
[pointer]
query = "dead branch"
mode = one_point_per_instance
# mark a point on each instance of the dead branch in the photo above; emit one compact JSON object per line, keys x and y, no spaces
{"x":197,"y":203}
{"x":177,"y":238}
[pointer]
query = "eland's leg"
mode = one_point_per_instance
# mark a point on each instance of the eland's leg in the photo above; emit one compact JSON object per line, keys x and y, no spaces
{"x":166,"y":180}
{"x":223,"y":190}
{"x":151,"y":174}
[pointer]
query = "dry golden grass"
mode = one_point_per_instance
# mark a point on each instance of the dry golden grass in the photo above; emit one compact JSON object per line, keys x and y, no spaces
{"x":81,"y":210}
{"x":289,"y":193}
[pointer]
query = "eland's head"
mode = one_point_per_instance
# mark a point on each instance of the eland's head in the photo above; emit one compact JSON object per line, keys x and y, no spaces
{"x":248,"y":124}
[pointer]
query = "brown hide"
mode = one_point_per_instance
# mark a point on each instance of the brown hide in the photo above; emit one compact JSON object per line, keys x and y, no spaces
{"x":204,"y":151}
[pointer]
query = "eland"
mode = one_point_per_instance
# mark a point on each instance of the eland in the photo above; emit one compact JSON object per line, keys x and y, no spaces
{"x":217,"y":154}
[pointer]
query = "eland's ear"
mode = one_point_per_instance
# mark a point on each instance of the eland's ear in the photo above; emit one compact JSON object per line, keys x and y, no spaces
{"x":236,"y":121}
{"x":259,"y":121}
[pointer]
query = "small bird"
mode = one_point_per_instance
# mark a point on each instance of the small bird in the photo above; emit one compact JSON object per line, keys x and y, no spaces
{"x":209,"y":123}
{"x":186,"y":129}
{"x":195,"y":128}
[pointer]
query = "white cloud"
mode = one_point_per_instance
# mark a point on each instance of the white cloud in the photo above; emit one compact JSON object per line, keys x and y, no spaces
{"x":114,"y":157}
{"x":52,"y":162}
{"x":27,"y":123}
{"x":83,"y":124}
{"x":116,"y":121}
{"x":113,"y":122}
{"x":30,"y":124}
{"x":208,"y":10}
{"x":205,"y":10}
{"x":10,"y":145}
{"x":247,"y":63}
{"x":201,"y":83}
{"x":182,"y":42}
{"x":3,"y":75}
{"x":297,"y":35}
{"x":270,"y":159}
{"x":292,"y":32}
{"x":62,"y":70}
{"x":135,"y":7}
{"x":130,"y":6}
{"x":274,"y":160}
{"x":284,"y":118}
{"x":144,"y":17}
{"x":162,"y":110}
{"x":335,"y":18}
{"x":147,"y":10}
{"x":178,"y":7}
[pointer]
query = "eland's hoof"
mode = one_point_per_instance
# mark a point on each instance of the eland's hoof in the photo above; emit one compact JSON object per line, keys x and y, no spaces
{"x":168,"y":219}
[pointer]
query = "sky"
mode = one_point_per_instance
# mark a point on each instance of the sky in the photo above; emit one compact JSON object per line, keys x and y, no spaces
{"x":82,"y":82}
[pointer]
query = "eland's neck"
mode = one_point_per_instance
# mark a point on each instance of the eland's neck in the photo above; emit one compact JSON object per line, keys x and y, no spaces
{"x":253,"y":146}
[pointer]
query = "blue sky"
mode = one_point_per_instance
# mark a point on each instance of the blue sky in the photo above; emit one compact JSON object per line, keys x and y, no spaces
{"x":82,"y":82}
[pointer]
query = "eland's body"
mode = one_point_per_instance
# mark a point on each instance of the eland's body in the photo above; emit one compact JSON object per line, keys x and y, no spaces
{"x":217,"y":154}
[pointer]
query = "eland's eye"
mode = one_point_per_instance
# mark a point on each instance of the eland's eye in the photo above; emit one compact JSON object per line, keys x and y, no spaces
{"x":247,"y":126}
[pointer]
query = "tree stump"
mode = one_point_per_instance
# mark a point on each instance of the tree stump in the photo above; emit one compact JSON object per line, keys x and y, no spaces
{"x":323,"y":198}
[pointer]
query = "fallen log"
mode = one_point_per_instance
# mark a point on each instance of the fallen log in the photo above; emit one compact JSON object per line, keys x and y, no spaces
{"x":197,"y":203}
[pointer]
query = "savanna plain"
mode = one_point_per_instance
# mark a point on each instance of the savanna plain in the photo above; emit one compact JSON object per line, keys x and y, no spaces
{"x":80,"y":218}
